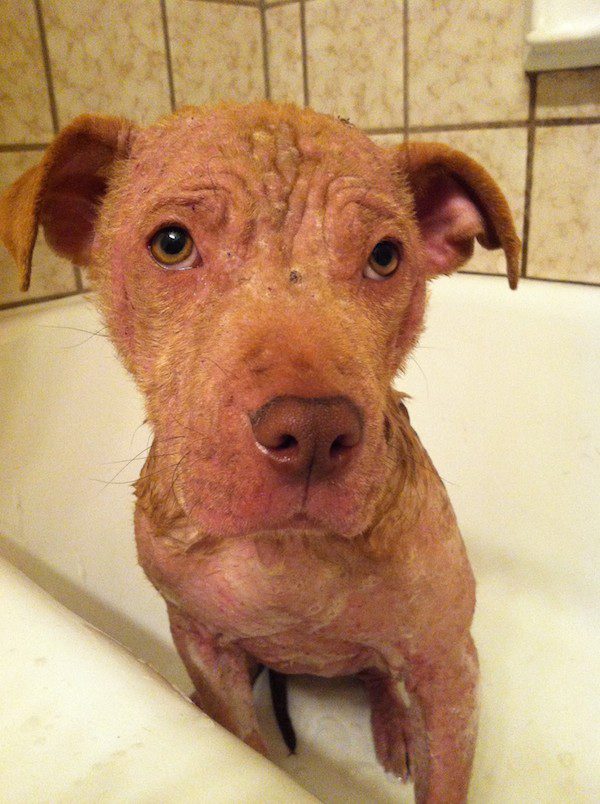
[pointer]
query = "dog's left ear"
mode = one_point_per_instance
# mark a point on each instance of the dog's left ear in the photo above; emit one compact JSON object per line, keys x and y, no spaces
{"x":63,"y":192}
{"x":456,"y":202}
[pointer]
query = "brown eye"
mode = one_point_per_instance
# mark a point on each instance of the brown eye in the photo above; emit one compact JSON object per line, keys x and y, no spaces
{"x":173,"y":248}
{"x":383,"y":260}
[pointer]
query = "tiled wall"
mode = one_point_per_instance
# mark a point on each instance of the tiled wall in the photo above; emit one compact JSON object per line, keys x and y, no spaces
{"x":418,"y":69}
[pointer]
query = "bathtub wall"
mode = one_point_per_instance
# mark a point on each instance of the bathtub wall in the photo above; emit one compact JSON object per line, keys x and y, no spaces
{"x":420,"y":69}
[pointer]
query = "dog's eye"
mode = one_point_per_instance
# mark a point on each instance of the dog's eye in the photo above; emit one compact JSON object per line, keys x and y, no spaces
{"x":173,"y":248}
{"x":383,"y":260}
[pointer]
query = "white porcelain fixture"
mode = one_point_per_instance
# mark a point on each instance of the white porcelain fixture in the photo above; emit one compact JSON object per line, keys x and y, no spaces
{"x":563,"y":35}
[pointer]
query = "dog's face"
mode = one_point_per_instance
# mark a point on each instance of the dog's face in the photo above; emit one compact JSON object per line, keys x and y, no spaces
{"x":273,"y":292}
{"x":262,"y":271}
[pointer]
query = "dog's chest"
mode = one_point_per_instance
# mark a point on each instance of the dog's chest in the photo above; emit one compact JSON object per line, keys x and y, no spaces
{"x":289,"y":605}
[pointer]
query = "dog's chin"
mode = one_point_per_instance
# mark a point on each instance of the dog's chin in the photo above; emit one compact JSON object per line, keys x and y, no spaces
{"x":345,"y":523}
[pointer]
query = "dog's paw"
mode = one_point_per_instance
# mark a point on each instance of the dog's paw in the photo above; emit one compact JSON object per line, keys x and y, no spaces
{"x":391,"y":743}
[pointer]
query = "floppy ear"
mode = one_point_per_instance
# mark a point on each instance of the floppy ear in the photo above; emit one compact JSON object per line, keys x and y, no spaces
{"x":63,"y":192}
{"x":456,"y":201}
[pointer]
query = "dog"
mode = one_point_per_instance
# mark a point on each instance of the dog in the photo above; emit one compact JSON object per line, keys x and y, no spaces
{"x":263,"y":273}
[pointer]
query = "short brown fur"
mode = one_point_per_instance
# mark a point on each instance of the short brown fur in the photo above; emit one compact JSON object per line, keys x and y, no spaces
{"x":356,"y":569}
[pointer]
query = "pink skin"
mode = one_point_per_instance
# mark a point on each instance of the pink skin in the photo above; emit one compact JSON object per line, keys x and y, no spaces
{"x":256,"y":568}
{"x":357,"y":571}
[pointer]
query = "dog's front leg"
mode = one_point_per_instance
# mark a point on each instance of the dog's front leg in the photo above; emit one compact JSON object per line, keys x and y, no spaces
{"x":221,"y":676}
{"x":443,"y":723}
{"x":389,"y":722}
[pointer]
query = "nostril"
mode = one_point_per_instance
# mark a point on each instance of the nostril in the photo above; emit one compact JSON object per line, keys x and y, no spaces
{"x":343,"y":443}
{"x":286,"y":441}
{"x":339,"y":445}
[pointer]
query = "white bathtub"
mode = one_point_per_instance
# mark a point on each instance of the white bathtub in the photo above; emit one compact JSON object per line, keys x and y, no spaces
{"x":506,"y":396}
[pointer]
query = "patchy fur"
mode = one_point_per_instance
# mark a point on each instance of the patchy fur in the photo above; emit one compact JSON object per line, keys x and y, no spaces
{"x":356,"y":570}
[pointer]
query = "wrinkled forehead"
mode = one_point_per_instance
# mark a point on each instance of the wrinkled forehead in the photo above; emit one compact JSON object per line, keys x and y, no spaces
{"x":264,"y":154}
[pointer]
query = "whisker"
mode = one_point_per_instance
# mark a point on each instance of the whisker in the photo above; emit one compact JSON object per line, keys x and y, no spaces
{"x":214,"y":362}
{"x":172,"y":489}
{"x":140,"y":457}
{"x":98,"y":334}
{"x":414,"y":359}
{"x":131,"y":482}
{"x":135,"y":432}
{"x":187,"y":427}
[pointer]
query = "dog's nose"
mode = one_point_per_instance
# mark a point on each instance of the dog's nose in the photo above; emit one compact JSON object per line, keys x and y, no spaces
{"x":301,"y":436}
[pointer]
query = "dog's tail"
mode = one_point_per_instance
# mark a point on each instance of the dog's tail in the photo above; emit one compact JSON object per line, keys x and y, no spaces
{"x":278,"y":685}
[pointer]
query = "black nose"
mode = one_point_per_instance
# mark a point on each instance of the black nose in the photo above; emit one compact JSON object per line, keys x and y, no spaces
{"x":319,"y":435}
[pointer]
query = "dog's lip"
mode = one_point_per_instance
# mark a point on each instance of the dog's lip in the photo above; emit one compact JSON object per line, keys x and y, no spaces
{"x":300,"y":521}
{"x":302,"y":518}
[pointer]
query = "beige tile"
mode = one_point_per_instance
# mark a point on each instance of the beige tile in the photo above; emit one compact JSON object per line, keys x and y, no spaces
{"x":107,"y":57}
{"x":24,"y":101}
{"x":568,"y":93}
{"x":355,"y":60}
{"x":216,"y":51}
{"x":50,"y":274}
{"x":285,"y":54}
{"x":387,"y":140}
{"x":503,"y":152}
{"x":466,"y":61}
{"x":564,"y":238}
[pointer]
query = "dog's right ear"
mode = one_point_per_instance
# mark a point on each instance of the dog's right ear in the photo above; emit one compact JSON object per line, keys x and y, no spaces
{"x":63,"y":193}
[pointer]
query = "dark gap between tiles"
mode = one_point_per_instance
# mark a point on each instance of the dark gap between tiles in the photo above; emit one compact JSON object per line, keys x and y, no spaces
{"x":552,"y":280}
{"x":47,"y":69}
{"x":247,"y":3}
{"x":39,"y":299}
{"x":469,"y":126}
{"x":304,"y":52}
{"x":405,"y":75}
{"x":568,"y":121}
{"x":15,"y":147}
{"x":78,"y":278}
{"x":69,"y":294}
{"x":441,"y":127}
{"x":169,"y":63}
{"x":265,"y":48}
{"x":280,"y":3}
{"x":529,"y":170}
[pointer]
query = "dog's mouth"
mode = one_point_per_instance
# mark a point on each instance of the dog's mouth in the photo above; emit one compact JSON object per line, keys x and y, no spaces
{"x":229,"y":487}
{"x":300,"y":522}
{"x":262,"y":503}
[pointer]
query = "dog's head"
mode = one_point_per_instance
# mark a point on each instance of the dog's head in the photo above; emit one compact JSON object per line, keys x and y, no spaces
{"x":262,"y":271}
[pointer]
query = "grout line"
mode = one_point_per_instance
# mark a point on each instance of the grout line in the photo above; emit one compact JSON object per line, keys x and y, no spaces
{"x":304,"y":52}
{"x":553,"y":280}
{"x":15,"y":147}
{"x":405,"y":75}
{"x":265,"y":49}
{"x":47,"y":67}
{"x":39,"y":299}
{"x":169,"y":63}
{"x":568,"y":121}
{"x":475,"y":126}
{"x":247,"y":3}
{"x":78,"y":278}
{"x":279,"y":3}
{"x":28,"y":302}
{"x":487,"y":124}
{"x":529,"y":170}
